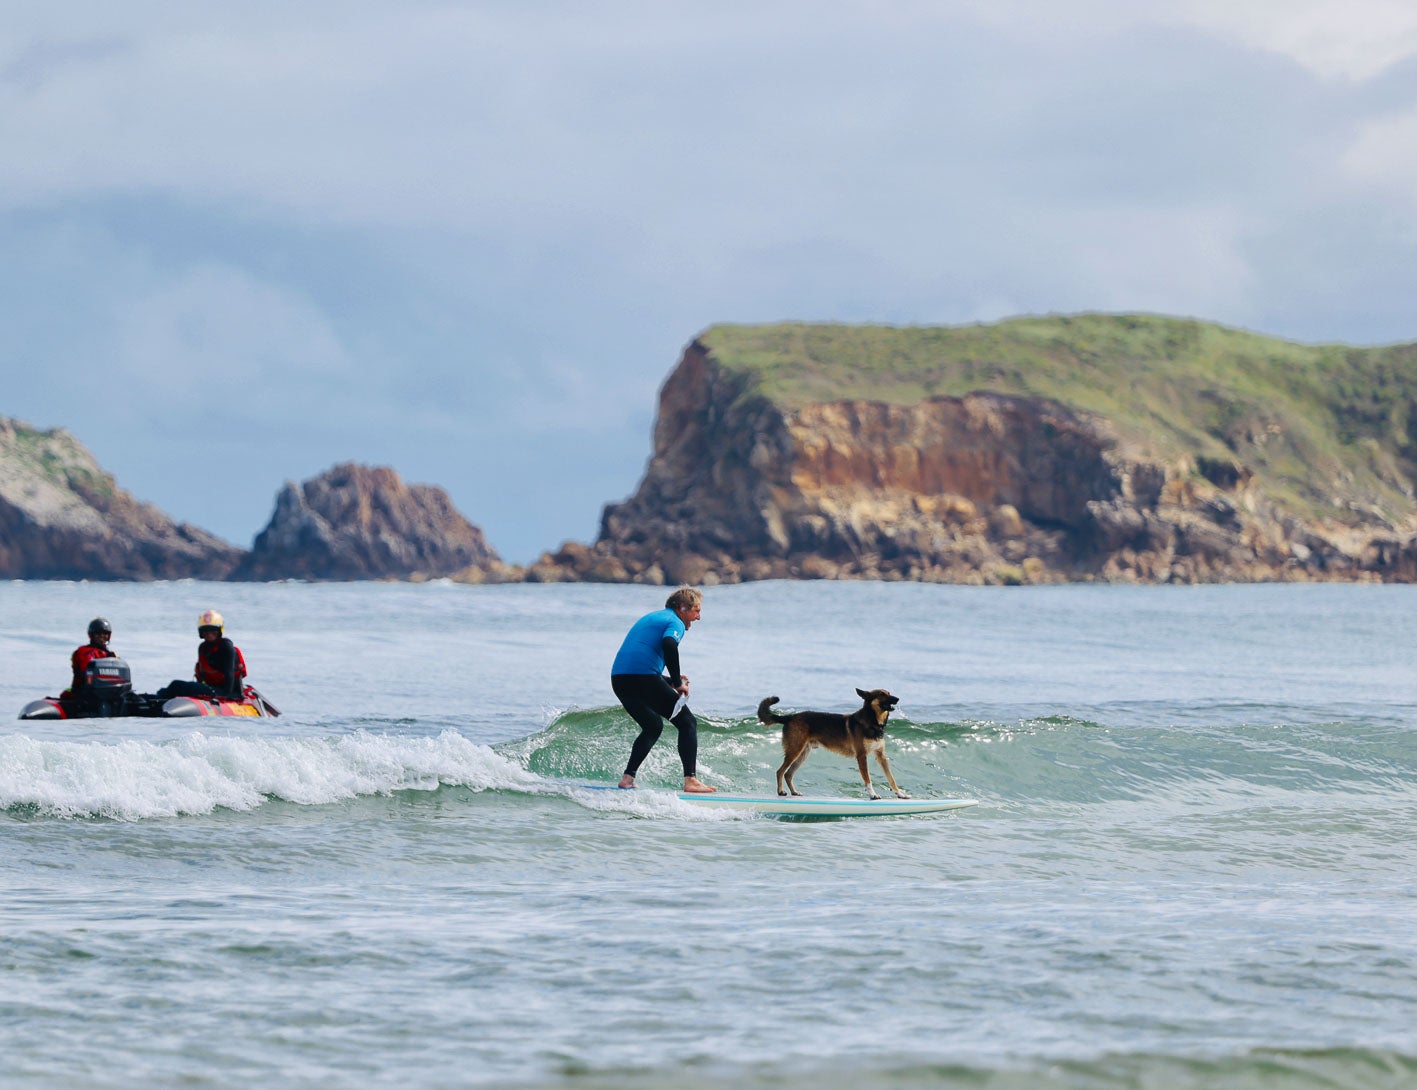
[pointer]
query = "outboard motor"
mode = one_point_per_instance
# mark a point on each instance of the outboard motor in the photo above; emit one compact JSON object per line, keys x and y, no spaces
{"x":108,"y":683}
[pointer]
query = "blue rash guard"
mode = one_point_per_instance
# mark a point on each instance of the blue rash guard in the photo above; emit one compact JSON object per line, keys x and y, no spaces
{"x":643,"y":651}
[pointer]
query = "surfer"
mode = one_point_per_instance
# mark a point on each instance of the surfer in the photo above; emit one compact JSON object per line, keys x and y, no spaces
{"x":100,"y":632}
{"x":637,"y":677}
{"x":220,"y":669}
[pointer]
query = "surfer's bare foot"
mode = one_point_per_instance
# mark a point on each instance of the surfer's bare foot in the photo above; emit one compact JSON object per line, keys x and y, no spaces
{"x":627,"y":781}
{"x":695,"y":786}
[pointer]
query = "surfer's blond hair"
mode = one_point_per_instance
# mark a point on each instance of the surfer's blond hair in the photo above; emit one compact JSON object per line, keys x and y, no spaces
{"x":684,"y":598}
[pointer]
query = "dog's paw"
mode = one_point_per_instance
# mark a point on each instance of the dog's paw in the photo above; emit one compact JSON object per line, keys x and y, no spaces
{"x":783,"y":794}
{"x":875,"y":797}
{"x":901,"y":795}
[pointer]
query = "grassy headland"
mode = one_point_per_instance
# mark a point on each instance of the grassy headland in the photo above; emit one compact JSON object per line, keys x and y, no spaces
{"x":1327,"y":430}
{"x":52,"y":455}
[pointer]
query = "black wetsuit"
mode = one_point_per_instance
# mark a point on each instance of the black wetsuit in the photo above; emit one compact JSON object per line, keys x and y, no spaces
{"x":650,"y":699}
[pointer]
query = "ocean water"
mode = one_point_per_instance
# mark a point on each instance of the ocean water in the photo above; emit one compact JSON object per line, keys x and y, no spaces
{"x":1193,"y":862}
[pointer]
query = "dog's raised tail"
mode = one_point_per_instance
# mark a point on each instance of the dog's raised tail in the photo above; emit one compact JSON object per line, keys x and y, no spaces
{"x":765,"y":714}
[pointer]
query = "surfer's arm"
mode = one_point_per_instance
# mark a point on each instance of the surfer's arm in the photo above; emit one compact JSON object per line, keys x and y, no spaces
{"x":670,"y":646}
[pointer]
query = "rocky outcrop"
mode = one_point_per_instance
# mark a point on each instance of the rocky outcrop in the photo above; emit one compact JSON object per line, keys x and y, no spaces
{"x":362,"y":522}
{"x":985,"y":487}
{"x":63,"y":517}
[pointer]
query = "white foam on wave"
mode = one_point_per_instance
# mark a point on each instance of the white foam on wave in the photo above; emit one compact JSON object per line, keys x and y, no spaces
{"x":643,"y":802}
{"x":196,"y":774}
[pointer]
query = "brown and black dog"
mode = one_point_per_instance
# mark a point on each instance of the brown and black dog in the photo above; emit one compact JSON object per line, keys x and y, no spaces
{"x":854,"y":735}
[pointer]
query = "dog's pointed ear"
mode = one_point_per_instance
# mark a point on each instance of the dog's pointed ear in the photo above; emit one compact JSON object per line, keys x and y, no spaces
{"x":863,"y":694}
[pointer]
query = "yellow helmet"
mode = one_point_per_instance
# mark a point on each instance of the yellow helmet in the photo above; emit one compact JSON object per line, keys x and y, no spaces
{"x":210,"y":619}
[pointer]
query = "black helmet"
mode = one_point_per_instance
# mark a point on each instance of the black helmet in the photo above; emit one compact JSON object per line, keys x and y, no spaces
{"x":97,"y":625}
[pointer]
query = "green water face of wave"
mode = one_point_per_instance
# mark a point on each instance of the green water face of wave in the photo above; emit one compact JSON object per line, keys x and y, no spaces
{"x":737,"y":755}
{"x":1255,"y":1069}
{"x":1033,"y":761}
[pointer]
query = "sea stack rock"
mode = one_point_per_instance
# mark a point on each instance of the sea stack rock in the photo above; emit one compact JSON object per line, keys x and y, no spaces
{"x":63,"y":517}
{"x":1119,"y":448}
{"x":362,"y":522}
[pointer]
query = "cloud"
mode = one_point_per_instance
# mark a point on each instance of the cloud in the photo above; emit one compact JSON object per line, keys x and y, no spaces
{"x":189,"y":335}
{"x":1350,"y":40}
{"x":212,"y":331}
{"x":470,"y":239}
{"x":1383,"y":161}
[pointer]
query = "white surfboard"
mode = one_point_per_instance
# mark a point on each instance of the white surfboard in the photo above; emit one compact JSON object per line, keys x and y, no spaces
{"x":802,"y":806}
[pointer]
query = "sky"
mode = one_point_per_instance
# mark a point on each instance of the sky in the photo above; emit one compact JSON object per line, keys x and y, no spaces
{"x":240,"y":244}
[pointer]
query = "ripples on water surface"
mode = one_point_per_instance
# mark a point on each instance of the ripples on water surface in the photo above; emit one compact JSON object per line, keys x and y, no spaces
{"x":1191,"y":866}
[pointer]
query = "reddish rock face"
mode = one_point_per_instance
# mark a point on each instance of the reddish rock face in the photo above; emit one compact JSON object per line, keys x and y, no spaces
{"x":362,"y":522}
{"x":63,"y":517}
{"x":981,"y":488}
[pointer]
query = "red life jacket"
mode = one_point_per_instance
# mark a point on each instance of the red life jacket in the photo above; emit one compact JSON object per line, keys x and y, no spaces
{"x":85,"y":655}
{"x":209,"y":673}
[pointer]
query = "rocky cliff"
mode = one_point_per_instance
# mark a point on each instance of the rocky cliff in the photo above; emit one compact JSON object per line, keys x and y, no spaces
{"x":362,"y":522}
{"x":63,"y":517}
{"x":1114,"y":448}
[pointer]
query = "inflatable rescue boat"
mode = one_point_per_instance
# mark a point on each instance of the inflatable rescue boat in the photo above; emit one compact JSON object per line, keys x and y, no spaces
{"x":109,"y":694}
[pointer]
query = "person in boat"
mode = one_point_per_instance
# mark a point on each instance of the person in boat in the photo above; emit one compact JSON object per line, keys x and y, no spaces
{"x":100,"y":632}
{"x":637,"y":677}
{"x":221,"y":668}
